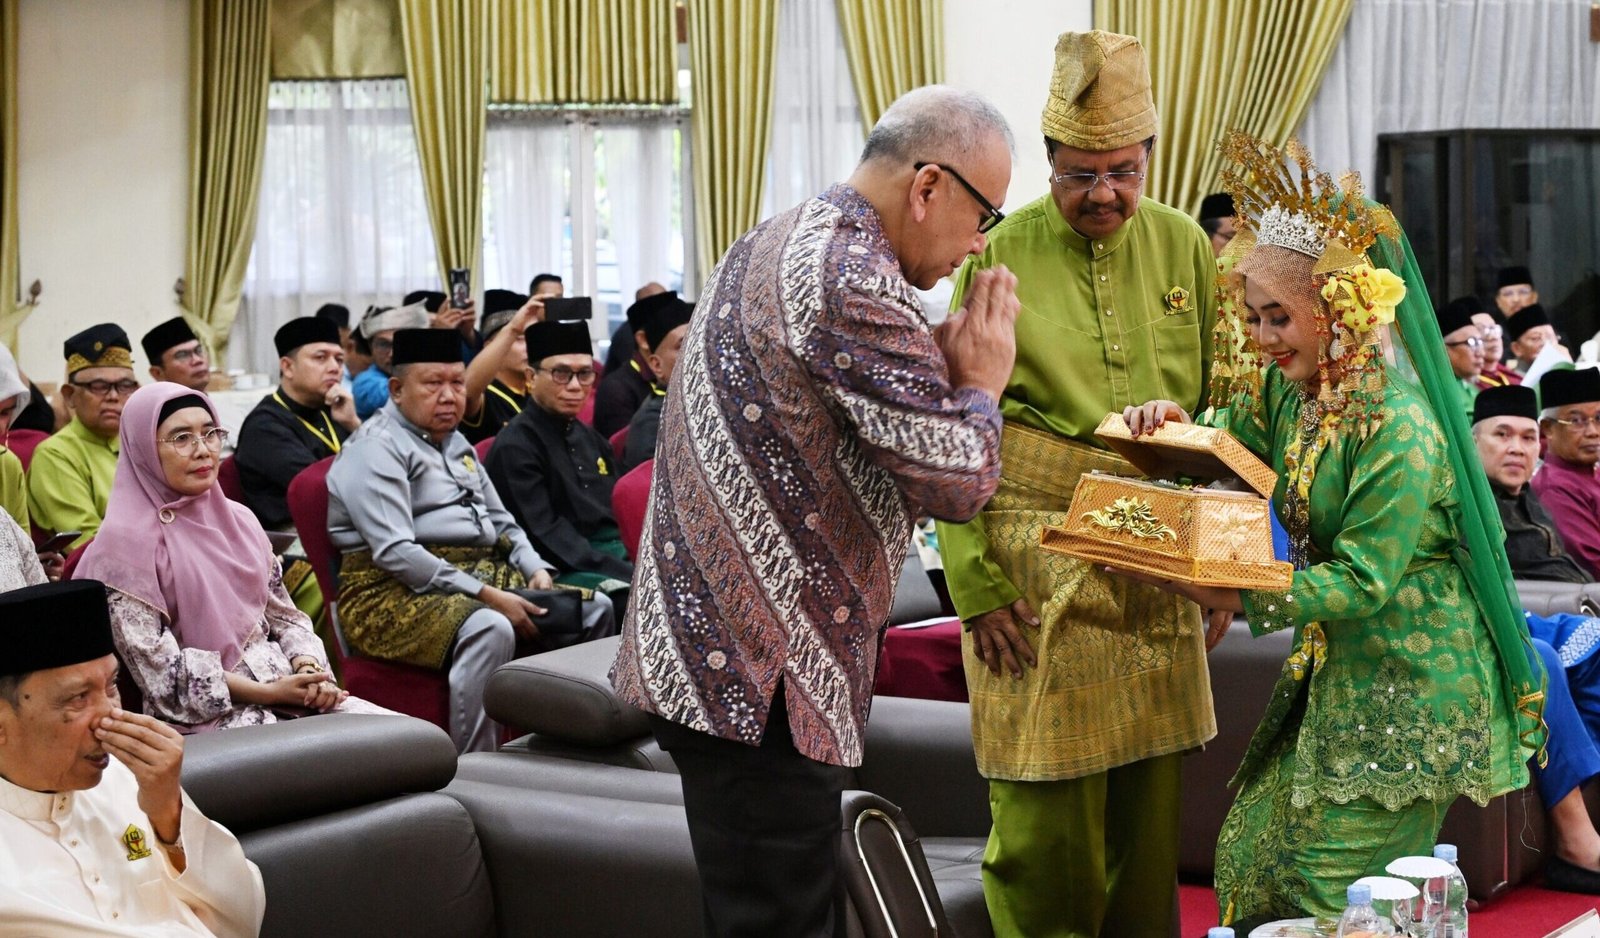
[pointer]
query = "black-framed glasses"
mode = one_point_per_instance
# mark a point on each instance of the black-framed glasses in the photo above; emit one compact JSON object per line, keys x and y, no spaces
{"x":186,"y":442}
{"x":563,"y":375}
{"x":102,"y":388}
{"x":1085,"y":182}
{"x":991,"y":215}
{"x":1470,"y":342}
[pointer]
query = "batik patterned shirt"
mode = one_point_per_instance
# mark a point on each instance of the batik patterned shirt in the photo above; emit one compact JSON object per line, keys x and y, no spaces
{"x":811,"y":419}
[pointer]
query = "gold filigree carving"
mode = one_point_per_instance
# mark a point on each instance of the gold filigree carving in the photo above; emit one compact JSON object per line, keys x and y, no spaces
{"x":1132,"y":516}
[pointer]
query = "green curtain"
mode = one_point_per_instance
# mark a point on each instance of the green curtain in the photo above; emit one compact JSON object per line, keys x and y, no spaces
{"x":893,"y":46}
{"x":1248,"y":64}
{"x":12,"y":312}
{"x":336,"y":39}
{"x":447,"y":51}
{"x":228,"y":79}
{"x":590,"y":51}
{"x":732,"y":46}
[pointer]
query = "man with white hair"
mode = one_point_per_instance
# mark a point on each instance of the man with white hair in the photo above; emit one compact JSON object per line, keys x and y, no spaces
{"x":814,"y":415}
{"x":1566,"y":482}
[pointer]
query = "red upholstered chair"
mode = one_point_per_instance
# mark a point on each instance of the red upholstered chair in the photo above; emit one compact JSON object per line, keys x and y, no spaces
{"x":482,"y":448}
{"x":228,"y":478}
{"x":76,"y":555}
{"x":22,"y":442}
{"x":628,"y":500}
{"x":619,"y":442}
{"x":420,"y":692}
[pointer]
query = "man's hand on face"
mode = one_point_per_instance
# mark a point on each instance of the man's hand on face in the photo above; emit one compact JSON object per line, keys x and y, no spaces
{"x":153,"y":752}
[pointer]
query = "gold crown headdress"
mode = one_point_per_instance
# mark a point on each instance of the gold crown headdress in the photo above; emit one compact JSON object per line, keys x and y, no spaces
{"x":1283,"y":202}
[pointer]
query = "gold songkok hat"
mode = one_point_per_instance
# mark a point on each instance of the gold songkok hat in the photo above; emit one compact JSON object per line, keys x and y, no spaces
{"x":1099,"y":93}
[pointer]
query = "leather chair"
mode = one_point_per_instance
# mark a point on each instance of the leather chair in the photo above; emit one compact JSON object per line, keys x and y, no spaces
{"x":342,"y":813}
{"x":1547,"y":598}
{"x":619,"y":442}
{"x":420,"y":692}
{"x":884,"y":873}
{"x":482,"y":448}
{"x":228,"y":479}
{"x":629,"y":497}
{"x":23,"y":443}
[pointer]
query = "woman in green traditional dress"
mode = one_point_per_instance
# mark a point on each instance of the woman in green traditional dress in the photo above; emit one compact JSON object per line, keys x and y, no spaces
{"x":1409,"y":676}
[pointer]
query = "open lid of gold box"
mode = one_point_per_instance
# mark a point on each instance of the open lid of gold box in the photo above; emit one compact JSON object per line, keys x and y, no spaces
{"x":1186,"y":449}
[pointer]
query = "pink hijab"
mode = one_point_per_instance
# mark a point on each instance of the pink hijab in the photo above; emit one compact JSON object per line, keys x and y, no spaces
{"x":201,"y":560}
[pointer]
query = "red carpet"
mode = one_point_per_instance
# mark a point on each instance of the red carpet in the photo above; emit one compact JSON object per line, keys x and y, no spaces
{"x":1527,"y":912}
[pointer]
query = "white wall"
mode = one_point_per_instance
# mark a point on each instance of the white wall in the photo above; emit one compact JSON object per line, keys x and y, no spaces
{"x":1005,"y":49}
{"x":102,"y":153}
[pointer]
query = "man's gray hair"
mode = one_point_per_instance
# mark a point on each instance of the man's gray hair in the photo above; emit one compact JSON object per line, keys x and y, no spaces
{"x":933,"y":124}
{"x":1550,"y":413}
{"x":11,"y":688}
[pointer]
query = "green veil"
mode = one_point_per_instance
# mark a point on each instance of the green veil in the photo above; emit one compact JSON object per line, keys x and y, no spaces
{"x":1482,"y":553}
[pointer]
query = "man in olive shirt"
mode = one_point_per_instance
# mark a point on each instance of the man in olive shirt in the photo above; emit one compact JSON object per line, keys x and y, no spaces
{"x":1085,"y":688}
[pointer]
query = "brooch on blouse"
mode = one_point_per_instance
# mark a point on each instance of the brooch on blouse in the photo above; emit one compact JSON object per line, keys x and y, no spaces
{"x":1177,"y":300}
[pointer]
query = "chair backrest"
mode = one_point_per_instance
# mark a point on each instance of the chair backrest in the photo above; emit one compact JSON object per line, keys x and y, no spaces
{"x":482,"y":448}
{"x":228,"y":478}
{"x":23,"y":442}
{"x":629,"y":497}
{"x":72,"y":559}
{"x":619,"y":441}
{"x":308,"y":506}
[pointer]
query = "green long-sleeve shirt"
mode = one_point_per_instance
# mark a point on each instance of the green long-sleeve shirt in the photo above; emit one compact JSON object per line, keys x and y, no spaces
{"x":69,"y":480}
{"x":1103,"y":325}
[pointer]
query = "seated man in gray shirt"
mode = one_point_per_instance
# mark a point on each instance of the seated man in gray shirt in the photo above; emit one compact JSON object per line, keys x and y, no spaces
{"x":429,"y":554}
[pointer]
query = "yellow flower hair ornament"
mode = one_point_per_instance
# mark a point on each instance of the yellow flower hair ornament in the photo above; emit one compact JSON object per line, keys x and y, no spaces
{"x":1364,"y":297}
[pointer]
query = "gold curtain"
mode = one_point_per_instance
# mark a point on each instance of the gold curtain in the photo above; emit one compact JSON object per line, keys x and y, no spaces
{"x":447,"y":51}
{"x":336,"y":39}
{"x":228,"y":78}
{"x":12,"y":312}
{"x":591,"y":51}
{"x":1250,"y":64}
{"x":893,"y":46}
{"x":732,"y":46}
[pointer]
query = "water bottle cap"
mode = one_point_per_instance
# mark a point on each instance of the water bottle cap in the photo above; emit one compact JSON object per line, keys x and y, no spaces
{"x":1219,"y":931}
{"x":1358,"y":894}
{"x":1445,"y":852}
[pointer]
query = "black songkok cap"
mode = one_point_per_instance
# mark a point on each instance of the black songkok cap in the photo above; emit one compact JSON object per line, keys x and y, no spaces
{"x":419,"y":346}
{"x":431,"y":299}
{"x":1512,"y":276}
{"x":1216,"y":205}
{"x":640,"y":312}
{"x":173,"y":332}
{"x":662,"y":318}
{"x":336,"y":313}
{"x":1528,"y":317}
{"x":102,"y":346}
{"x":1511,"y":400}
{"x":1563,"y":386}
{"x":53,"y":625}
{"x":498,"y":308}
{"x":1454,"y":315}
{"x":304,"y":330}
{"x":1472,"y":306}
{"x":557,"y":338}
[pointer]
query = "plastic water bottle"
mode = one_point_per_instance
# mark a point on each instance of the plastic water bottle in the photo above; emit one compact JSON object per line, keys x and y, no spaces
{"x":1359,"y":917}
{"x":1447,"y":896}
{"x":1219,"y":931}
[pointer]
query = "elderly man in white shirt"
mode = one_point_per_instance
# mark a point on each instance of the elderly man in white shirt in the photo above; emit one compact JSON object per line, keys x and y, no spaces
{"x":96,"y":835}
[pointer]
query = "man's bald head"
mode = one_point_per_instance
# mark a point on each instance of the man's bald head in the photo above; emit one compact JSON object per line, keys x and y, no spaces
{"x":936,"y":124}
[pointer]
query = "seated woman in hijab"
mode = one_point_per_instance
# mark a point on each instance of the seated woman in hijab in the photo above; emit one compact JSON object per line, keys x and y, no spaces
{"x":198,"y":609}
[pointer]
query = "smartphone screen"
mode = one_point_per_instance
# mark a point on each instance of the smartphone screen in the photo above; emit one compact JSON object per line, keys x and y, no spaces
{"x":460,"y":287}
{"x":568,"y":308}
{"x":59,"y":543}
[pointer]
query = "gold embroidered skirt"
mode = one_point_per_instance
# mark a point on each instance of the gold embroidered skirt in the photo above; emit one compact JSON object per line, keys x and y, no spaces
{"x":1122,"y":669}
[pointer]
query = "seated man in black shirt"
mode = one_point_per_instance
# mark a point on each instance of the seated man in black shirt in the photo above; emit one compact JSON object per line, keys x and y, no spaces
{"x":496,"y":392}
{"x":554,"y":473}
{"x":1505,"y":426}
{"x":630,"y":384}
{"x":176,"y":355}
{"x":665,"y":325}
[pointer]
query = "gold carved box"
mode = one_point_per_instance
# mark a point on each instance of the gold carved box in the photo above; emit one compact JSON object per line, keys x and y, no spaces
{"x":1203,"y":536}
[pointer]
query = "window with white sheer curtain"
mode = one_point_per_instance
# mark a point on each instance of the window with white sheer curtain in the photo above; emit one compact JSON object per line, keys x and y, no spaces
{"x":342,"y":217}
{"x":595,"y":195}
{"x":816,"y":122}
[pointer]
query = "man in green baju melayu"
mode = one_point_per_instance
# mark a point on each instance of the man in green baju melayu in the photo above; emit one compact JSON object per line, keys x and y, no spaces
{"x":1086,"y":688}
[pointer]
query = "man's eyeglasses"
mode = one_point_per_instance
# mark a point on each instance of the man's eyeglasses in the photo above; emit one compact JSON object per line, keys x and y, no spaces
{"x":1085,"y":182}
{"x":103,"y":388}
{"x":1579,"y":423}
{"x":1470,"y":342}
{"x":190,"y":443}
{"x":564,"y":375}
{"x":184,"y":356}
{"x":991,"y":215}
